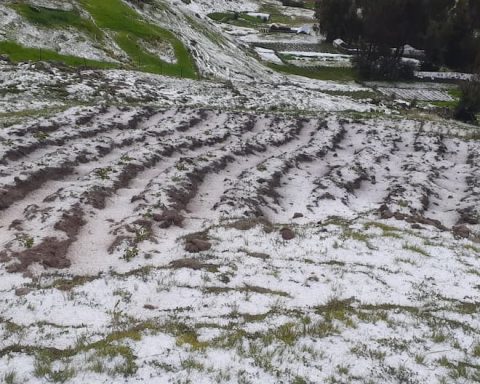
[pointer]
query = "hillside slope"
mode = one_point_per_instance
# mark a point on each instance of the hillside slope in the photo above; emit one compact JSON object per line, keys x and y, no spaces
{"x":163,"y":38}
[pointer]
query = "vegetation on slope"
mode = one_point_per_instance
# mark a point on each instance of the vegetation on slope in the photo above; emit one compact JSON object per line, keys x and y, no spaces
{"x":19,"y":53}
{"x":319,"y":73}
{"x":57,"y":18}
{"x":129,"y":29}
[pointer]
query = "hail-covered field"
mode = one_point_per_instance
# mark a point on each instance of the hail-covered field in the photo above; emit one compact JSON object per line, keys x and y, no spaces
{"x":179,"y":244}
{"x":239,"y":226}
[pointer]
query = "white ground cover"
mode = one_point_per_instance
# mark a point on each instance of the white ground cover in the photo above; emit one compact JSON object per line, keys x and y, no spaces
{"x":342,"y":245}
{"x":348,"y":297}
{"x":36,"y":86}
{"x":268,"y":55}
{"x":352,"y":302}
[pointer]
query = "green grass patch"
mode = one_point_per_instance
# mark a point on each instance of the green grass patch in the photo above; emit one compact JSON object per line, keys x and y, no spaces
{"x":319,"y":73}
{"x":416,"y":249}
{"x":280,"y":18}
{"x":238,"y":19}
{"x":388,"y":230}
{"x":8,"y":119}
{"x":56,"y":18}
{"x":471,"y":247}
{"x":18,"y":53}
{"x":336,"y":309}
{"x":455,"y":93}
{"x":130,"y":30}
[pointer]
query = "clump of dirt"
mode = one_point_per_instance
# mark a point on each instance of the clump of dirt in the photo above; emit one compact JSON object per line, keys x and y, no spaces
{"x":22,"y":187}
{"x":194,"y":121}
{"x":191,"y":263}
{"x":71,"y":222}
{"x":468,"y":216}
{"x":287,"y":233}
{"x":168,"y":218}
{"x":386,"y":213}
{"x":197,"y":245}
{"x":352,"y":186}
{"x":461,"y":231}
{"x":51,"y":252}
{"x":259,"y":255}
{"x":22,"y":291}
{"x":197,"y":242}
{"x":247,"y":224}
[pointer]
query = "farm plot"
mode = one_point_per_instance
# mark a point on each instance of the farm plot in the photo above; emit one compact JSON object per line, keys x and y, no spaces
{"x":284,"y":248}
{"x":416,"y":94}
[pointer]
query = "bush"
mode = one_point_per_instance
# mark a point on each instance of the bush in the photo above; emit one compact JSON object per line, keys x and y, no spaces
{"x":382,"y":68}
{"x":428,"y":66}
{"x":293,"y":3}
{"x":469,"y":104}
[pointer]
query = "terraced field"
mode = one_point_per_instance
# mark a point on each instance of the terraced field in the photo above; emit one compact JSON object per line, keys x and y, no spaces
{"x":184,"y":244}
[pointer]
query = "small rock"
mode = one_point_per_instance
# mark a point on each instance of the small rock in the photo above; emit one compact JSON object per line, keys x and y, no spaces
{"x":287,"y":234}
{"x":149,"y":306}
{"x":297,"y":215}
{"x":461,"y":231}
{"x":197,"y":245}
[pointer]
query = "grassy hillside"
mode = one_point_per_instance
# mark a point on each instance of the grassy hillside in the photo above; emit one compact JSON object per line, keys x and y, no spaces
{"x":129,"y":28}
{"x":129,"y":32}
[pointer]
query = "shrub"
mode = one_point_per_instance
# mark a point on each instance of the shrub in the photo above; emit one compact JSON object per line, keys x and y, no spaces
{"x":469,"y":104}
{"x":382,"y":67}
{"x":293,"y":3}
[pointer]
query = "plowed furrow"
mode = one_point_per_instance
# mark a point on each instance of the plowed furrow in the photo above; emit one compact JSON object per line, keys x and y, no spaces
{"x":110,"y":179}
{"x":93,"y":190}
{"x":19,"y":144}
{"x":170,"y":191}
{"x":469,"y":205}
{"x":22,"y":178}
{"x":411,"y":191}
{"x":352,"y":178}
{"x":254,"y":193}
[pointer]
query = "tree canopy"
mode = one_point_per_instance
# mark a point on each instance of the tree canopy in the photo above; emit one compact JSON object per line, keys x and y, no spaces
{"x":448,"y":30}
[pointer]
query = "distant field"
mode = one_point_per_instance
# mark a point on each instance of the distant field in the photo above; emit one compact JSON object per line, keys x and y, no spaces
{"x":323,"y":73}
